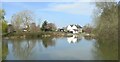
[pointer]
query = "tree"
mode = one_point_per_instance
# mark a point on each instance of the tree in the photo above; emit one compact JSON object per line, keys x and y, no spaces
{"x":34,"y":28}
{"x":2,"y":21}
{"x":106,"y":30}
{"x":2,"y":14}
{"x":87,"y":28}
{"x":22,"y":19}
{"x":44,"y":25}
{"x":4,"y":26}
{"x":16,"y":22}
{"x":10,"y":29}
{"x":51,"y":26}
{"x":106,"y":19}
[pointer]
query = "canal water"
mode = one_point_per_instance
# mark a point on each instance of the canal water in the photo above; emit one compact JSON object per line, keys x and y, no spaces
{"x":63,"y":48}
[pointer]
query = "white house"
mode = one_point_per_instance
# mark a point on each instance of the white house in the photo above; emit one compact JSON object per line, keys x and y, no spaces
{"x":74,"y":28}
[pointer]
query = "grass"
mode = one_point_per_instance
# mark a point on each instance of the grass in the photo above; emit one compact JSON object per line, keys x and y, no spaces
{"x":34,"y":34}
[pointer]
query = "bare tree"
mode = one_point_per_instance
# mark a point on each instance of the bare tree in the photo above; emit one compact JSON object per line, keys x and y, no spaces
{"x":22,"y":19}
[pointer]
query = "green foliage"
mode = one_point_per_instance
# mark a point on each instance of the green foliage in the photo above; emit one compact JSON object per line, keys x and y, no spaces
{"x":3,"y":22}
{"x":2,"y":13}
{"x":107,"y":20}
{"x":44,"y":25}
{"x":48,"y":26}
{"x":4,"y":50}
{"x":4,"y":27}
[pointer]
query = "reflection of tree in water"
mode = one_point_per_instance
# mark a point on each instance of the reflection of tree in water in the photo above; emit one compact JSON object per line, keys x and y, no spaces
{"x":49,"y":41}
{"x":79,"y":37}
{"x":4,"y":50}
{"x":107,"y":49}
{"x":88,"y":37}
{"x":0,"y":50}
{"x":23,"y":49}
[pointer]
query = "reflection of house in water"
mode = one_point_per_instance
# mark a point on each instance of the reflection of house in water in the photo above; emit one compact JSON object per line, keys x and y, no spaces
{"x":73,"y":39}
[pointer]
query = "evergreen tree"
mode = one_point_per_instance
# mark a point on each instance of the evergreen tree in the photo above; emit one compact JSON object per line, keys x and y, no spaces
{"x":44,"y":25}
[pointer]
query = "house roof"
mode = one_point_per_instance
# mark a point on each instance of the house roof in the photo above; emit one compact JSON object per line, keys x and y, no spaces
{"x":78,"y":26}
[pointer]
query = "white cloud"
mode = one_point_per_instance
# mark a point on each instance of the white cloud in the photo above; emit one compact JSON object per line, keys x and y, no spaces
{"x":71,"y":8}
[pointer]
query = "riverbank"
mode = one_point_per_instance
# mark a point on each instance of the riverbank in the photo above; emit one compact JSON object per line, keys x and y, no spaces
{"x":33,"y":35}
{"x":24,"y":35}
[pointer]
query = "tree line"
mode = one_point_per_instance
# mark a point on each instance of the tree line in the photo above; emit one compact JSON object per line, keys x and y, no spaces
{"x":24,"y":21}
{"x":106,"y":20}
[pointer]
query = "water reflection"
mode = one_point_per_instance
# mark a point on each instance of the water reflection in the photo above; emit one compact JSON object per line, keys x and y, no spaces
{"x":88,"y":37}
{"x":0,"y":48}
{"x":83,"y":49}
{"x":4,"y":49}
{"x":107,"y":49}
{"x":49,"y":41}
{"x":74,"y":39}
{"x":23,"y":48}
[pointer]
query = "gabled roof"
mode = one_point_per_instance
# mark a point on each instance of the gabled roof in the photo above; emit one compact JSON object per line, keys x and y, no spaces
{"x":78,"y":26}
{"x":71,"y":25}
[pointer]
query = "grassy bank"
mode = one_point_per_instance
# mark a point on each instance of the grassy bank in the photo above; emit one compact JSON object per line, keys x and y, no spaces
{"x":33,"y":35}
{"x":42,"y":34}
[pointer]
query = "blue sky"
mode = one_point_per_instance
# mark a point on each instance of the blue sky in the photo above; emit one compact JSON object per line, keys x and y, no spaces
{"x":60,"y":13}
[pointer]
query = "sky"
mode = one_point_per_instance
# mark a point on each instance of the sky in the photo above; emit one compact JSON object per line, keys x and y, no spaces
{"x":59,"y":0}
{"x":60,"y":13}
